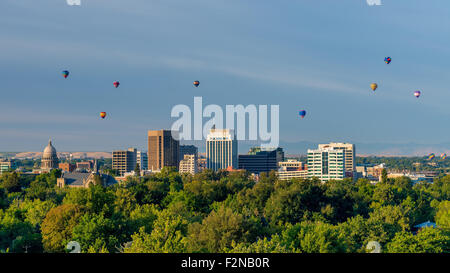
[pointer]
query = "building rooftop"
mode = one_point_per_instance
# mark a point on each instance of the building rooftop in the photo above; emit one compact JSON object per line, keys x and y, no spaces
{"x":221,"y":134}
{"x":426,"y":224}
{"x":77,"y":178}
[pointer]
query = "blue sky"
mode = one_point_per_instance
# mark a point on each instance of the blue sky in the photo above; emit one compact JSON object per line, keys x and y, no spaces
{"x":319,"y":55}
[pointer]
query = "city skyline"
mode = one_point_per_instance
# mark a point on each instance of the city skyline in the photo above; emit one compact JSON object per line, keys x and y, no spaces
{"x":245,"y":61}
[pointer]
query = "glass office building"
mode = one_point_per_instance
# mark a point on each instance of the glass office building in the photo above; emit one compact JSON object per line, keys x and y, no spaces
{"x":260,"y":160}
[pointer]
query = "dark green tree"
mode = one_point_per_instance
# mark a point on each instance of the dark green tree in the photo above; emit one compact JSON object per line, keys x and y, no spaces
{"x":137,"y":170}
{"x":11,"y":182}
{"x":384,"y":178}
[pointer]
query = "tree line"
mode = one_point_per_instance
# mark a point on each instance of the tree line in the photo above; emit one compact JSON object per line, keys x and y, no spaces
{"x":223,"y":212}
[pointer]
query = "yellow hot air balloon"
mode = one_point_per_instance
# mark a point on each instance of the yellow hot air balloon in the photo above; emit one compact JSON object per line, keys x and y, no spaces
{"x":374,"y":86}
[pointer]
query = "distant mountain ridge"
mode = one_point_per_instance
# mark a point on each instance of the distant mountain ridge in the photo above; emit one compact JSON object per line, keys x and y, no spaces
{"x":362,"y":149}
{"x":75,"y":155}
{"x":290,"y":148}
{"x":371,"y":149}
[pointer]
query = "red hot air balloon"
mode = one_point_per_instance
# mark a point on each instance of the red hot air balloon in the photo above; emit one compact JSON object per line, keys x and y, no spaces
{"x":102,"y":114}
{"x":196,"y":83}
{"x":116,"y":84}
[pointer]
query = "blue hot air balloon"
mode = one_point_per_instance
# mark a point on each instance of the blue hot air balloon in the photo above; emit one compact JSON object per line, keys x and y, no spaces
{"x":302,"y":113}
{"x":388,"y":60}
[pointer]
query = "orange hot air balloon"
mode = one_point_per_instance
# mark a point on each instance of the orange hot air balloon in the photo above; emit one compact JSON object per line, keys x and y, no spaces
{"x":102,"y":114}
{"x":374,"y":86}
{"x":196,"y":83}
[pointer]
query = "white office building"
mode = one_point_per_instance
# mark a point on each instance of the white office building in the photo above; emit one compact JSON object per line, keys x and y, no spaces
{"x":326,"y":164}
{"x":221,"y":149}
{"x":189,"y":164}
{"x":349,"y":155}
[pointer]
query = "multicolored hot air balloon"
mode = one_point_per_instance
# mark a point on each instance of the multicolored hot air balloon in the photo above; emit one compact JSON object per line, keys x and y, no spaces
{"x":431,"y":156}
{"x":65,"y":74}
{"x":443,"y":156}
{"x":102,"y":114}
{"x":388,"y":60}
{"x":302,"y":113}
{"x":417,"y":93}
{"x":116,"y":84}
{"x":374,"y":86}
{"x":196,"y":83}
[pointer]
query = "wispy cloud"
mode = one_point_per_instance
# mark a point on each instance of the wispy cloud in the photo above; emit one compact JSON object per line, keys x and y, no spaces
{"x":374,"y":2}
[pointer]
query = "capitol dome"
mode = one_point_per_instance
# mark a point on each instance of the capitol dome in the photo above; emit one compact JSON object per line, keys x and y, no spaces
{"x":49,"y":157}
{"x":49,"y":151}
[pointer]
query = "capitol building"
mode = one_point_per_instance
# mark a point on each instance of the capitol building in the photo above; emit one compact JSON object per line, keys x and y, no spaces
{"x":49,"y":159}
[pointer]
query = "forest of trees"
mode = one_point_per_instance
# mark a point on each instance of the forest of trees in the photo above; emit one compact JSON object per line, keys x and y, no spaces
{"x":222,"y":212}
{"x":413,"y":164}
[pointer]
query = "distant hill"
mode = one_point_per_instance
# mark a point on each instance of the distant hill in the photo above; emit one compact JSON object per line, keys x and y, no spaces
{"x":362,"y":149}
{"x":290,"y":148}
{"x":76,"y":155}
{"x":381,"y":149}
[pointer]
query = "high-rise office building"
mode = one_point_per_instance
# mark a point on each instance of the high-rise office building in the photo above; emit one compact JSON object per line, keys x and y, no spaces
{"x":124,"y":161}
{"x":349,"y":155}
{"x":188,"y":150}
{"x":189,"y":164}
{"x":142,"y":160}
{"x":326,"y":164}
{"x":163,"y":149}
{"x":260,"y":160}
{"x":221,"y":149}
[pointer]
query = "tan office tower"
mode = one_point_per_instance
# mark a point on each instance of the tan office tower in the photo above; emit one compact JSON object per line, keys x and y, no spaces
{"x":124,"y":161}
{"x":163,"y":149}
{"x":349,"y":155}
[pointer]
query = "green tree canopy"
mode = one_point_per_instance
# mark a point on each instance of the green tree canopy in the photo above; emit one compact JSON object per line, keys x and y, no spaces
{"x":427,"y":240}
{"x":57,"y":226}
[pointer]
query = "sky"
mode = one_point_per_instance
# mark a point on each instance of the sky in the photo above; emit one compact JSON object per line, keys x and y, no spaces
{"x":320,"y":56}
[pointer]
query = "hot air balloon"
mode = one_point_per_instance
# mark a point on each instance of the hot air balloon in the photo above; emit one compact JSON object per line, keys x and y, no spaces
{"x":196,"y":83}
{"x":374,"y":86}
{"x":102,"y":114}
{"x":116,"y":84}
{"x":431,"y":156}
{"x":387,"y":60}
{"x":302,"y":113}
{"x":443,"y":156}
{"x":417,"y":94}
{"x":65,"y":74}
